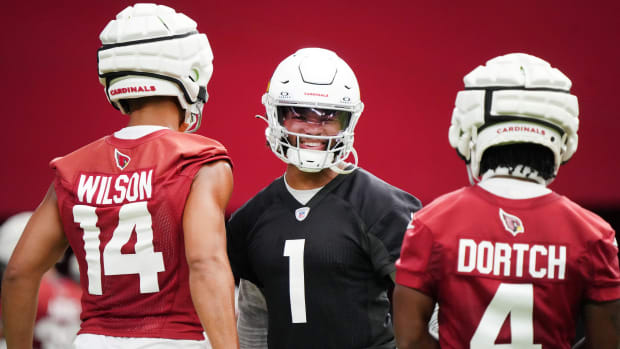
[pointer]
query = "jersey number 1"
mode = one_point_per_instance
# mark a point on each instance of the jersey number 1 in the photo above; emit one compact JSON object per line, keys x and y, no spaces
{"x":294,"y":249}
{"x":145,"y":261}
{"x":516,"y":300}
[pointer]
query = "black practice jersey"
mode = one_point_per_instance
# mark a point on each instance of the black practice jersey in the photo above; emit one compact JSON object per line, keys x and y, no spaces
{"x":323,"y":267}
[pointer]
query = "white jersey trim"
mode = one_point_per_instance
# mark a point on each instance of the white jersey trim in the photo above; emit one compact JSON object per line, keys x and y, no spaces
{"x":512,"y":188}
{"x":135,"y":132}
{"x":303,"y":196}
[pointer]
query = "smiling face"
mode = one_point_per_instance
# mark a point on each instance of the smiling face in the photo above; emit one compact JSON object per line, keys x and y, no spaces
{"x":313,"y":126}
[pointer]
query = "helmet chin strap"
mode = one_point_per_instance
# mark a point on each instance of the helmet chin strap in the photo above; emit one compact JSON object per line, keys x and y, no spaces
{"x":339,"y":170}
{"x":299,"y":157}
{"x":292,"y":157}
{"x":473,"y":180}
{"x":472,"y":155}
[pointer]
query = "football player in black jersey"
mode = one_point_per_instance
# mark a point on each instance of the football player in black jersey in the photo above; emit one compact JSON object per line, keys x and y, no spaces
{"x":321,"y":241}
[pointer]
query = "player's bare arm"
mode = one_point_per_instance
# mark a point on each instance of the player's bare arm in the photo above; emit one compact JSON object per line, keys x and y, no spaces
{"x":41,"y":245}
{"x":602,"y":325}
{"x":412,"y":312}
{"x":211,"y":280}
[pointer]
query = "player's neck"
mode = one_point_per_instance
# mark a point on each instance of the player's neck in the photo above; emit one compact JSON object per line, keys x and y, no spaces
{"x":522,"y":179}
{"x":300,"y":180}
{"x":158,"y":114}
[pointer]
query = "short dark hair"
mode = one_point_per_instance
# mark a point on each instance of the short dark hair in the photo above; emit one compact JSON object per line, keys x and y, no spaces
{"x":132,"y":104}
{"x":535,"y":156}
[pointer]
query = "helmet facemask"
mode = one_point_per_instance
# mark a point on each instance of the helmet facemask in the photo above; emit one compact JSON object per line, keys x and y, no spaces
{"x":313,"y":152}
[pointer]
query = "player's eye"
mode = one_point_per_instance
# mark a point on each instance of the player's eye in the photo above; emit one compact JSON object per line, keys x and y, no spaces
{"x":331,"y":117}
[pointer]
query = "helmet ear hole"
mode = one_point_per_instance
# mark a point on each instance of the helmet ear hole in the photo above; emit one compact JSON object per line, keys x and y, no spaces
{"x":194,"y":74}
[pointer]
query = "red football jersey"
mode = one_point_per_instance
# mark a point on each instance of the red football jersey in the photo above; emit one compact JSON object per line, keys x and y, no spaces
{"x":121,"y":203}
{"x":508,"y":271}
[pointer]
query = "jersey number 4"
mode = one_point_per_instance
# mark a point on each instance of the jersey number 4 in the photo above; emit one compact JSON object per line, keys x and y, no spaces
{"x":145,"y":261}
{"x":516,"y":300}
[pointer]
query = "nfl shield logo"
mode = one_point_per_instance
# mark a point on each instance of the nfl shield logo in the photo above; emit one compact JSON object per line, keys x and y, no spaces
{"x":302,"y":213}
{"x":511,"y":223}
{"x":122,"y":160}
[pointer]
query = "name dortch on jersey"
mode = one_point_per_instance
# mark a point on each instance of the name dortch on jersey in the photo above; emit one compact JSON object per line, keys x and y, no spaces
{"x":121,"y":202}
{"x":508,"y":271}
{"x":546,"y":261}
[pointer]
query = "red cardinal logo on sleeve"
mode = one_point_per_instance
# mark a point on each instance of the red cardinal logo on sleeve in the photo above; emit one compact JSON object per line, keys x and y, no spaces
{"x":512,"y":223}
{"x":122,"y":160}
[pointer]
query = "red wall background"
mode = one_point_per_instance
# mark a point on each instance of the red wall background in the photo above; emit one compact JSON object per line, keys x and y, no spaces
{"x":409,"y":57}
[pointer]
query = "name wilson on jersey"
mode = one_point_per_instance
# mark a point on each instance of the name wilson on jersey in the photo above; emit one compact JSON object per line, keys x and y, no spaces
{"x":536,"y":261}
{"x":115,"y":189}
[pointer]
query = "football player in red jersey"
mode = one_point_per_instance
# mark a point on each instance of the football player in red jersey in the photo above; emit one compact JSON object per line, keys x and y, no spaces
{"x":143,"y":208}
{"x":510,"y":262}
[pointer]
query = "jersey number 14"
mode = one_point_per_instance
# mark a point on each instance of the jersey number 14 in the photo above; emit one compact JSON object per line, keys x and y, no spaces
{"x":145,"y":261}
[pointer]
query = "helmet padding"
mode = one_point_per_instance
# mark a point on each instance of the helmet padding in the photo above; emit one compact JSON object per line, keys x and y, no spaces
{"x":151,"y":50}
{"x":516,"y":98}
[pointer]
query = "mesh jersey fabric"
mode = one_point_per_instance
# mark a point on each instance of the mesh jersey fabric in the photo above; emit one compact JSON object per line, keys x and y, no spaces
{"x":475,"y":260}
{"x":121,"y":202}
{"x":351,"y":235}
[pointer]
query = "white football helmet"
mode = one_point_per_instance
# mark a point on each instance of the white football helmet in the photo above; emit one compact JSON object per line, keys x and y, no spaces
{"x":313,"y":78}
{"x":515,"y":98}
{"x":10,"y":232}
{"x":151,"y":50}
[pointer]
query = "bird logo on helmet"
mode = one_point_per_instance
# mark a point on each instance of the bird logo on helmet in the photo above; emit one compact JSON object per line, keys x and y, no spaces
{"x":515,"y":98}
{"x":151,"y":50}
{"x":318,"y":79}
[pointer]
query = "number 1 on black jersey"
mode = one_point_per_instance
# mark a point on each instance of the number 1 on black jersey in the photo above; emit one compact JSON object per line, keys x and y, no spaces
{"x":294,"y":249}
